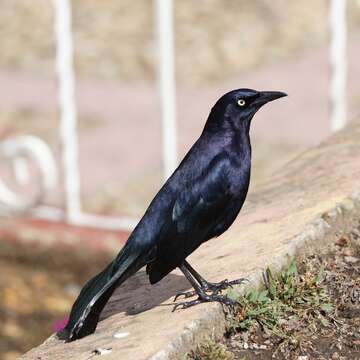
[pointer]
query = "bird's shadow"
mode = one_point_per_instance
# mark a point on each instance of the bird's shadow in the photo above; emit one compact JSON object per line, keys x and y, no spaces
{"x":137,"y":295}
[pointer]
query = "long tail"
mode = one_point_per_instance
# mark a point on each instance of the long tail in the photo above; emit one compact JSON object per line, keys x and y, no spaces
{"x":95,"y":294}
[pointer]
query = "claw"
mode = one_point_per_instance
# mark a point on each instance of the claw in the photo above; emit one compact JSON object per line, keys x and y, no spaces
{"x":222,"y":285}
{"x":239,"y":281}
{"x":208,"y":292}
{"x":187,"y":304}
{"x":186,"y":294}
{"x":205,"y":298}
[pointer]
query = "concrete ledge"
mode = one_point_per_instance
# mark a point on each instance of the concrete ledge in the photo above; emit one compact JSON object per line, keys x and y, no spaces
{"x":316,"y":197}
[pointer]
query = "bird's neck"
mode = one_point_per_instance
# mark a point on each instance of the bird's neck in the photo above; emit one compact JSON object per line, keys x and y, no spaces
{"x":232,"y":134}
{"x":240,"y":142}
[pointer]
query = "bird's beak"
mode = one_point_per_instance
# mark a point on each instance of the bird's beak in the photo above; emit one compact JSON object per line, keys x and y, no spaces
{"x":266,"y":96}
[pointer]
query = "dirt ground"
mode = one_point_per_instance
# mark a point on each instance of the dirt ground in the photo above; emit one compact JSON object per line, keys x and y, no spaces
{"x":317,"y":312}
{"x":37,"y":289}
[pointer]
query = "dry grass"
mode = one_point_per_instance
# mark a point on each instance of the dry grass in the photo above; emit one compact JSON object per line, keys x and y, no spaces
{"x":310,"y":309}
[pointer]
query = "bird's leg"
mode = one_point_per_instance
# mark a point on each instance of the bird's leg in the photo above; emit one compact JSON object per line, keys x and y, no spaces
{"x":202,"y":296}
{"x":187,"y":294}
{"x":209,"y":286}
{"x":206,"y":286}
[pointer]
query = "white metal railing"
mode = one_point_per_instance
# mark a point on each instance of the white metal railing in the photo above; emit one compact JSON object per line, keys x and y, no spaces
{"x":337,"y":22}
{"x":67,"y":108}
{"x":20,"y":153}
{"x":166,"y":78}
{"x":41,"y":155}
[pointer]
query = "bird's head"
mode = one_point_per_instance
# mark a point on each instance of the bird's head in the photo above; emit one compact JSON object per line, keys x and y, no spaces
{"x":237,"y":107}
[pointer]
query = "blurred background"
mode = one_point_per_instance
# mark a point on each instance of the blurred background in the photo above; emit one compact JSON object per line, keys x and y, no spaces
{"x":219,"y":45}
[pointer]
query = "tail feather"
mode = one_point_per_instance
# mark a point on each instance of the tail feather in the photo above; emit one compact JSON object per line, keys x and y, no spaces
{"x":86,"y":310}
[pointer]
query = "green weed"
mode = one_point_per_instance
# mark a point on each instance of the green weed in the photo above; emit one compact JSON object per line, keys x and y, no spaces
{"x":212,"y":350}
{"x":286,"y":302}
{"x":286,"y":297}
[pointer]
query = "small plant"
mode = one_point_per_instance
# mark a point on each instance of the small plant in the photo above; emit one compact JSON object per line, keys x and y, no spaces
{"x":286,"y":303}
{"x":286,"y":297}
{"x":211,"y":350}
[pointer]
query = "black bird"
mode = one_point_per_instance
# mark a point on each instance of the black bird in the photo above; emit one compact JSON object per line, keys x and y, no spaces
{"x":199,"y":201}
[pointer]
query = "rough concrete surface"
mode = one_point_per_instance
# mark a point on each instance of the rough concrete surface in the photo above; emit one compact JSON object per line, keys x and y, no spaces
{"x":315,"y":196}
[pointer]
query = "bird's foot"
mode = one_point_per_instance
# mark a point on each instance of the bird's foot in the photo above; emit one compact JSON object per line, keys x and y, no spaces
{"x":185,"y":294}
{"x":205,"y":298}
{"x":215,"y":288}
{"x":212,"y":288}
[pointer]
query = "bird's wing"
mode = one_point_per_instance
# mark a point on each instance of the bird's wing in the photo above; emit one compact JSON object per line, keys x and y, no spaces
{"x":199,"y":204}
{"x":198,"y":209}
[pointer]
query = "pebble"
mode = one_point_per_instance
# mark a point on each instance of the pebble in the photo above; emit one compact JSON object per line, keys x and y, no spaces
{"x":303,"y":357}
{"x":121,"y":335}
{"x":102,"y":351}
{"x":347,"y":252}
{"x":245,"y":337}
{"x":351,"y":259}
{"x":246,"y":345}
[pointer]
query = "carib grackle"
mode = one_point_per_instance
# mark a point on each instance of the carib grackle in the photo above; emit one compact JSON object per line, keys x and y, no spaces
{"x":199,"y":201}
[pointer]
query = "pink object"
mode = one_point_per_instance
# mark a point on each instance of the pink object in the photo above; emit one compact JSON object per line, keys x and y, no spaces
{"x":59,"y":325}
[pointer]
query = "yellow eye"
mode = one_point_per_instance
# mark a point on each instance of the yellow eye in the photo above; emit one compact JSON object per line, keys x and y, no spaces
{"x":241,"y":102}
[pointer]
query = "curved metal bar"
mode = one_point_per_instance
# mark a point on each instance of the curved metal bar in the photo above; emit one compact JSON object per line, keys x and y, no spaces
{"x":20,"y":152}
